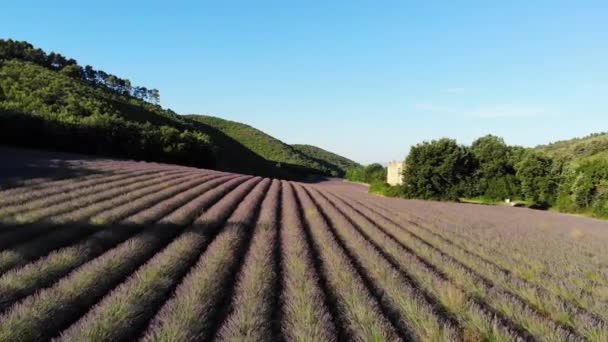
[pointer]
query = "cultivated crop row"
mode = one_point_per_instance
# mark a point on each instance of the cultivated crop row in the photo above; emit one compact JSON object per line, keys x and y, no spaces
{"x":135,"y":251}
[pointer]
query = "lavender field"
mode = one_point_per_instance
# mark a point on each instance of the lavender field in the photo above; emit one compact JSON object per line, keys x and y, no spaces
{"x":109,"y":250}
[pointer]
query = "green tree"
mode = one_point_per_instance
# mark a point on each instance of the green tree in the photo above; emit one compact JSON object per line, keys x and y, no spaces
{"x":493,"y":156}
{"x":90,"y":74}
{"x":375,"y":172}
{"x":154,"y":96}
{"x":73,"y":71}
{"x":585,"y":186}
{"x":439,"y":169}
{"x":495,"y":173}
{"x":367,"y":174}
{"x":538,"y":183}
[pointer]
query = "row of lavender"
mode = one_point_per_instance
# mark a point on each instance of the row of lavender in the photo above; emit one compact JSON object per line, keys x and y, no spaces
{"x":158,"y":253}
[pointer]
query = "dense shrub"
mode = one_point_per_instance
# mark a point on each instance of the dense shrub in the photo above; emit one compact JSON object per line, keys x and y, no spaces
{"x":494,"y":175}
{"x":534,"y":175}
{"x":491,"y":171}
{"x":385,"y":189}
{"x":584,"y":188}
{"x":502,"y":187}
{"x":439,"y":169}
{"x":367,"y":174}
{"x":107,"y":135}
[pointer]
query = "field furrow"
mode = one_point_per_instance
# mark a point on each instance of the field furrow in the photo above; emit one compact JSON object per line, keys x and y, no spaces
{"x":30,"y":191}
{"x":569,"y":318}
{"x":414,"y":316}
{"x":139,"y":204}
{"x":53,"y":206}
{"x":360,"y":314}
{"x":127,"y":309}
{"x":29,"y":231}
{"x":41,"y":273}
{"x":37,"y":197}
{"x":254,"y":303}
{"x":304,"y":310}
{"x":110,"y":250}
{"x":575,"y":296}
{"x":205,"y":292}
{"x":572,"y":278}
{"x":62,"y":235}
{"x":92,"y":212}
{"x":44,"y":314}
{"x":475,"y":320}
{"x":517,"y":310}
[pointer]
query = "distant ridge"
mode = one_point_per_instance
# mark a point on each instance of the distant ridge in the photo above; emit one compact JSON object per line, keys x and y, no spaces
{"x":591,"y":146}
{"x":50,"y":101}
{"x":325,"y":156}
{"x":272,"y":149}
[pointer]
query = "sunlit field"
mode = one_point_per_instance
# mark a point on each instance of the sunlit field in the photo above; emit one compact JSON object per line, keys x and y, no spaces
{"x":109,"y":250}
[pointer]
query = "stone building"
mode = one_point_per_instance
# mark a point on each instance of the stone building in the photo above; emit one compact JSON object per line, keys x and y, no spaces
{"x":394,"y":172}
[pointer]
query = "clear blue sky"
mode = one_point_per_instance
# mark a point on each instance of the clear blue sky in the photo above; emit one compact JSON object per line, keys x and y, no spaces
{"x":366,"y":79}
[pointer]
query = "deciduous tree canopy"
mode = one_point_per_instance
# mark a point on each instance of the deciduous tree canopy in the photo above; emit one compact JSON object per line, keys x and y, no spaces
{"x":439,"y":169}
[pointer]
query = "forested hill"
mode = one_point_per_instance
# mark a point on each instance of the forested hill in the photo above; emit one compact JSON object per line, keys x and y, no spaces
{"x":274,"y":149}
{"x":326,"y":156}
{"x":592,"y":146}
{"x":50,"y":101}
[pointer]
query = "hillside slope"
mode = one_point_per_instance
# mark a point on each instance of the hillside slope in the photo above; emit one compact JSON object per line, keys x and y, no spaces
{"x":592,"y":146}
{"x":43,"y":108}
{"x":275,"y":150}
{"x":49,"y":101}
{"x":326,"y":156}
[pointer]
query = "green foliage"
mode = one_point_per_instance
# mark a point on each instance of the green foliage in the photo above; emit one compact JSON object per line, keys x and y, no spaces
{"x":537,"y":181}
{"x":584,"y":187}
{"x":439,"y":169}
{"x":24,"y":51}
{"x":578,"y":148}
{"x":48,"y":109}
{"x":384,"y":189}
{"x":502,"y":187}
{"x":338,"y":164}
{"x":269,"y":148}
{"x":600,"y":206}
{"x":494,"y":175}
{"x":367,"y":174}
{"x":33,"y":89}
{"x":107,"y":135}
{"x":494,"y":171}
{"x":571,"y":175}
{"x":492,"y":154}
{"x":81,"y":109}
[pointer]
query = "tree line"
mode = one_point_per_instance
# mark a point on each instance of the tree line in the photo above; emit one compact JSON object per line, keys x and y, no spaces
{"x":367,"y":174}
{"x":41,"y":107}
{"x":489,"y":170}
{"x":11,"y":49}
{"x":108,"y":136}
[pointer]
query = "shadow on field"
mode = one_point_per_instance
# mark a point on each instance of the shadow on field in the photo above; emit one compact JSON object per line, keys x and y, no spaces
{"x":30,"y":244}
{"x":17,"y":166}
{"x":314,"y":179}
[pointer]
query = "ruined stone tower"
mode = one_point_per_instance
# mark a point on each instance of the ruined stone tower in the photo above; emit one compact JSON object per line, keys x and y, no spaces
{"x":394,"y":172}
